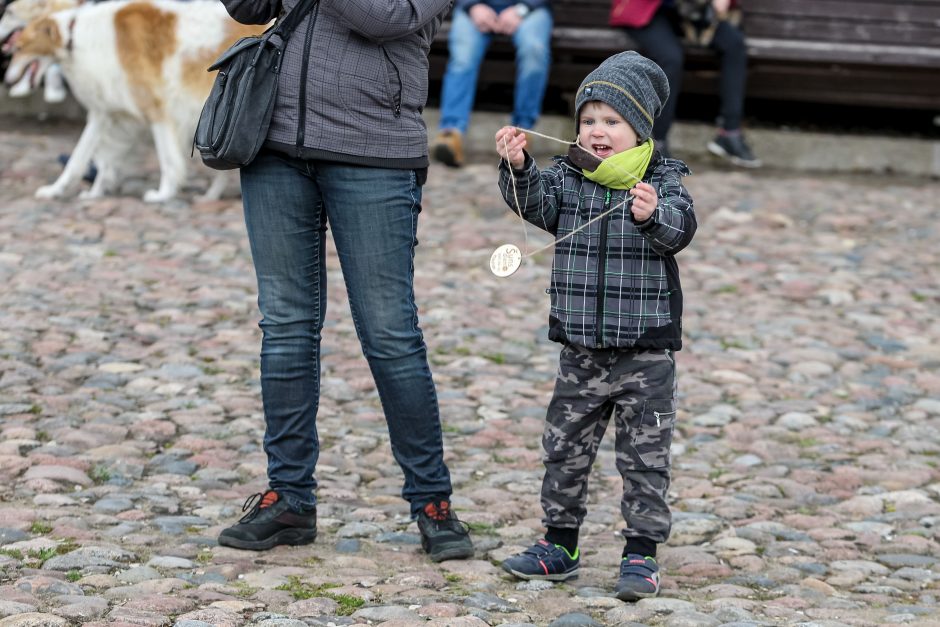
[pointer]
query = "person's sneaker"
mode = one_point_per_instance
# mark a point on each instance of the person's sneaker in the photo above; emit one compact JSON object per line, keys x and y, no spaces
{"x":639,"y":578}
{"x":443,"y":536}
{"x":268,"y":523}
{"x":544,"y":560}
{"x":732,"y":147}
{"x":448,"y":148}
{"x":90,"y":174}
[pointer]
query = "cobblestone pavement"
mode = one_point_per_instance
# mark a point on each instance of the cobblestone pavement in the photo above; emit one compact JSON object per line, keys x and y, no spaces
{"x":806,"y":488}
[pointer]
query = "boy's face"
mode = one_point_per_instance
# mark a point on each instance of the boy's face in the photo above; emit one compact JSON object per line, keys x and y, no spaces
{"x":603,"y":131}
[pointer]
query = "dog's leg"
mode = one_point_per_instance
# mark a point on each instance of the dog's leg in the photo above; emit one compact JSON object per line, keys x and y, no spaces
{"x":78,"y":161}
{"x":172,"y":166}
{"x":105,"y":181}
{"x":216,"y":187}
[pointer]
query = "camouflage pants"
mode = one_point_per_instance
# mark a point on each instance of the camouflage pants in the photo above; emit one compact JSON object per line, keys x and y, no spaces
{"x":637,"y":388}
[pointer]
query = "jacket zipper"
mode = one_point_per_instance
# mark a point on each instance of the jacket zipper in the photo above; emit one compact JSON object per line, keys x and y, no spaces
{"x":302,"y":98}
{"x":396,"y":99}
{"x":602,"y":275}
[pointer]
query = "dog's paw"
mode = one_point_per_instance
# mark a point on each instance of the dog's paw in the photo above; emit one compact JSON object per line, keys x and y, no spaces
{"x":155,"y":195}
{"x":207,"y":197}
{"x":90,"y":194}
{"x":49,"y":191}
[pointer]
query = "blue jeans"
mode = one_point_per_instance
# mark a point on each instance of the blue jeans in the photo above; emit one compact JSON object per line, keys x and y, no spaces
{"x":466,"y":47}
{"x":373,"y":213}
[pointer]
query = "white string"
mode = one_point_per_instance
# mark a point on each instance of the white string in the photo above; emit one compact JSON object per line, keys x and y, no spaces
{"x":586,"y":224}
{"x":518,"y":211}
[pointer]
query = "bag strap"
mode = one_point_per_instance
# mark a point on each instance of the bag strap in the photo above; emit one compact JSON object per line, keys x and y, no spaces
{"x":290,"y":21}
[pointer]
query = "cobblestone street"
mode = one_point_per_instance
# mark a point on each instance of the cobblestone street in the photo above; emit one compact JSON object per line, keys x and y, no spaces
{"x":806,"y":488}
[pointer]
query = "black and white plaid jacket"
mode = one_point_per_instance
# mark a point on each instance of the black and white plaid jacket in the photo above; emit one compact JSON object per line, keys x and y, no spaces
{"x":614,"y":283}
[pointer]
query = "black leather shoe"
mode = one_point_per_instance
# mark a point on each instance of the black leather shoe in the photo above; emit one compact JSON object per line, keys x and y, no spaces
{"x":443,"y":536}
{"x":268,"y":523}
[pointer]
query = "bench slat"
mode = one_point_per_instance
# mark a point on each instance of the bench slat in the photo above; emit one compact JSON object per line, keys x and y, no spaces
{"x":837,"y":31}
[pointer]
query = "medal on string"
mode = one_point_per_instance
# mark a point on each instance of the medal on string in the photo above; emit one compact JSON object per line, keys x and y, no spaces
{"x":505,"y":260}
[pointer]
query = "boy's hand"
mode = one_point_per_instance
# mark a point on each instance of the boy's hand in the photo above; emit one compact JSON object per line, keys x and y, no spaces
{"x":510,"y":144}
{"x":644,"y":201}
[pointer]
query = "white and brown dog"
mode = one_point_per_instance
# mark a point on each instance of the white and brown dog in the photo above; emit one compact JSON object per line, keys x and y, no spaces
{"x":131,"y":64}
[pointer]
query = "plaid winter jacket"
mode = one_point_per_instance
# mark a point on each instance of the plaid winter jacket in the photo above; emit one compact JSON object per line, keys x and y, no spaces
{"x":615,"y":283}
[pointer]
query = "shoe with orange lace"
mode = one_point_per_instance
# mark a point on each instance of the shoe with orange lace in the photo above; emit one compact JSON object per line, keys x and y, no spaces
{"x":269,"y":522}
{"x":443,"y":536}
{"x":546,"y":561}
{"x":639,"y":578}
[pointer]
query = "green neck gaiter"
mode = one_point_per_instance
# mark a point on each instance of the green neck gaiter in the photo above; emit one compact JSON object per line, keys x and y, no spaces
{"x":624,"y":169}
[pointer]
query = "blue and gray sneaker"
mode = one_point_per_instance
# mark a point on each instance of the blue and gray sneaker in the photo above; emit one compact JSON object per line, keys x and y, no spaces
{"x":639,"y":578}
{"x":544,"y":560}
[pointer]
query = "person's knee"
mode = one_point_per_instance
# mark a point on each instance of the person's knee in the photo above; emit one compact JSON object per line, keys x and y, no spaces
{"x":729,"y":40}
{"x":533,"y":57}
{"x":388,"y":337}
{"x":463,"y":58}
{"x":392,"y":345}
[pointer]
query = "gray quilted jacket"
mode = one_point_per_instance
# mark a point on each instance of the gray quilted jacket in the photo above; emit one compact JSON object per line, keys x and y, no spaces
{"x":354,"y":79}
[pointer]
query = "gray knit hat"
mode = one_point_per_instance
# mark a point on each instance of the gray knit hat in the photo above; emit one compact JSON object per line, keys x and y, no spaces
{"x":633,"y":85}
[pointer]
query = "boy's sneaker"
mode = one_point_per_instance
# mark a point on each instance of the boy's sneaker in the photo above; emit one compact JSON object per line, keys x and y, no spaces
{"x":639,"y":578}
{"x":269,"y":522}
{"x":443,"y":536}
{"x":448,"y":148}
{"x":544,"y":560}
{"x":732,"y":147}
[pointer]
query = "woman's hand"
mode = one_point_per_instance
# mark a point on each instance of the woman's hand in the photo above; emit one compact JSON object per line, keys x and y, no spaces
{"x":721,"y":6}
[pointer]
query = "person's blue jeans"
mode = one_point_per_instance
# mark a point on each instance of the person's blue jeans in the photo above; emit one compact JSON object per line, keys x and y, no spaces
{"x":373,"y":213}
{"x":466,"y":47}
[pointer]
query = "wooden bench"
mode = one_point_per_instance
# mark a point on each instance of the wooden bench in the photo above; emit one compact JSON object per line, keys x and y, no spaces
{"x":883,"y":53}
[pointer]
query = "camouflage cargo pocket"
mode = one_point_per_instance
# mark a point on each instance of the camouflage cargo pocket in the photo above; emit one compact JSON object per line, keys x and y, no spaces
{"x":653,"y":436}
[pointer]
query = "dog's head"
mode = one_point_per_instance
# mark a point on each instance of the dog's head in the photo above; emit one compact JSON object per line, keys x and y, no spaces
{"x":20,"y":13}
{"x":28,"y":32}
{"x":35,"y":48}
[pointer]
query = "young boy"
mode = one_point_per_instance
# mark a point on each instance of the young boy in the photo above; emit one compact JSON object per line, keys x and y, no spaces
{"x":616,"y":306}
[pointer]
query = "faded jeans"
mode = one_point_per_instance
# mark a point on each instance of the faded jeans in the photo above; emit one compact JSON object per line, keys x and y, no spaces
{"x":373,"y":213}
{"x":466,"y":48}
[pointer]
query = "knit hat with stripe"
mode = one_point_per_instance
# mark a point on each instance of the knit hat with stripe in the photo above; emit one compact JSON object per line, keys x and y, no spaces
{"x":634,"y":86}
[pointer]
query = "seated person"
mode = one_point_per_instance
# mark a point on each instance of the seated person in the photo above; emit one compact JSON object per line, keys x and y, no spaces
{"x":658,"y":26}
{"x":473,"y":24}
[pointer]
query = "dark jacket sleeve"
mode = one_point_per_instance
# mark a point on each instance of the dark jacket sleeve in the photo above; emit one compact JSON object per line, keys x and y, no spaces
{"x":537,"y":194}
{"x":386,"y":19}
{"x":253,"y":11}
